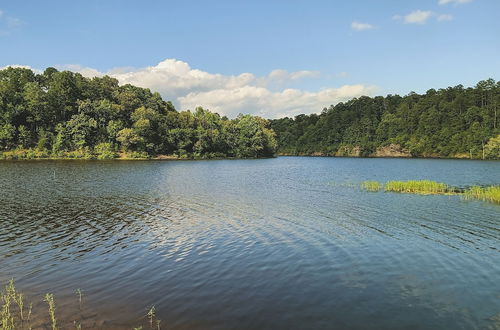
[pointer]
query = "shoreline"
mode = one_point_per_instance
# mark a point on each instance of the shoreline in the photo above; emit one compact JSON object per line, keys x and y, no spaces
{"x":381,"y":157}
{"x":123,"y":157}
{"x":177,"y":158}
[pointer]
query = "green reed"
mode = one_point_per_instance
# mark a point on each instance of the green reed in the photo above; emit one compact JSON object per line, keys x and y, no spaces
{"x":488,"y":194}
{"x":49,"y":299}
{"x":371,"y":185}
{"x":428,"y":187}
{"x":9,"y":319}
{"x":418,"y":187}
{"x":6,"y":317}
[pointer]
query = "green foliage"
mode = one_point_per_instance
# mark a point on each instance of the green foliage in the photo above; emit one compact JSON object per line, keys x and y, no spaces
{"x":451,"y":122}
{"x":24,"y":154}
{"x":65,"y":115}
{"x":105,"y":150}
{"x":492,"y":148}
{"x":80,"y":153}
{"x":136,"y":155}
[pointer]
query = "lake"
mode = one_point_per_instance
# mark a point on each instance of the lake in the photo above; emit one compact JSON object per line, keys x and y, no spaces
{"x":284,"y":243}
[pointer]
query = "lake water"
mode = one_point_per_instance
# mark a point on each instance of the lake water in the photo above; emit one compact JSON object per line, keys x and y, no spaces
{"x":285,"y":243}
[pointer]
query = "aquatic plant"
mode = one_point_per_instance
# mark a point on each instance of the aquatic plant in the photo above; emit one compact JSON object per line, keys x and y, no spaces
{"x":49,"y":298}
{"x":371,"y":185}
{"x":15,"y":315}
{"x":18,"y":299}
{"x":427,"y":187}
{"x":79,"y":293}
{"x":488,"y":194}
{"x":418,"y":187}
{"x":151,"y":314}
{"x":8,"y":318}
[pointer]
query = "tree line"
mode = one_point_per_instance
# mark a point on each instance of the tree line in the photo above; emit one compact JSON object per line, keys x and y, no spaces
{"x":63,"y":114}
{"x":451,"y":122}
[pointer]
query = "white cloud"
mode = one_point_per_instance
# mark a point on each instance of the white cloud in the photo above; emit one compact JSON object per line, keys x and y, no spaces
{"x":444,"y":2}
{"x":280,"y":77}
{"x":422,"y":16}
{"x":8,"y":23}
{"x":418,"y":17}
{"x":267,"y":96}
{"x":444,"y":18}
{"x":86,"y":72}
{"x":358,"y":26}
{"x":37,"y":71}
{"x":261,"y":101}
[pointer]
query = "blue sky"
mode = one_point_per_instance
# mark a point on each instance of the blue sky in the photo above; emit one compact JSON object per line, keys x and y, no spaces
{"x":271,"y":58}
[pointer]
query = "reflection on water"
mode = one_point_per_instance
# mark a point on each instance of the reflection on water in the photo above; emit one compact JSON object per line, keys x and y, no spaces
{"x":253,"y":243}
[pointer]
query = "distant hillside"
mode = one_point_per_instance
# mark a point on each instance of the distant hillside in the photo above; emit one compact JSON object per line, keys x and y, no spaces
{"x":453,"y":122}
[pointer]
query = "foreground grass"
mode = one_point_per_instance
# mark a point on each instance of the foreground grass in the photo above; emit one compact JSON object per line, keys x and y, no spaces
{"x":428,"y":187}
{"x":16,"y":314}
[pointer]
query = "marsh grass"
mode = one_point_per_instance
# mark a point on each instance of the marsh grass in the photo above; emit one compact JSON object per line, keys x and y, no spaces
{"x":425,"y":187}
{"x":14,"y":314}
{"x":371,"y":186}
{"x":488,"y":194}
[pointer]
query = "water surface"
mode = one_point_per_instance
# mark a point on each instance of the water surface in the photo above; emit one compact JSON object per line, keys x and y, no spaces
{"x":285,"y":243}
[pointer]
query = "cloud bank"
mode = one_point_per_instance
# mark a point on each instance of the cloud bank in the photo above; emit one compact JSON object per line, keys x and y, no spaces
{"x":229,"y":95}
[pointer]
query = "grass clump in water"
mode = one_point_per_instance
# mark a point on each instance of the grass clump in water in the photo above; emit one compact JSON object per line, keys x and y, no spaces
{"x":371,"y":185}
{"x":418,"y":187}
{"x":488,"y":194}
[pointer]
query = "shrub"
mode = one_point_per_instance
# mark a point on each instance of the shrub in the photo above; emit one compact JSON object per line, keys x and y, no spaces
{"x":105,"y":150}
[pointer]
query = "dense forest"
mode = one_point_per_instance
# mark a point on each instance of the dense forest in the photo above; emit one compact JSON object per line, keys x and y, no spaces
{"x":452,"y":122}
{"x":65,"y":115}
